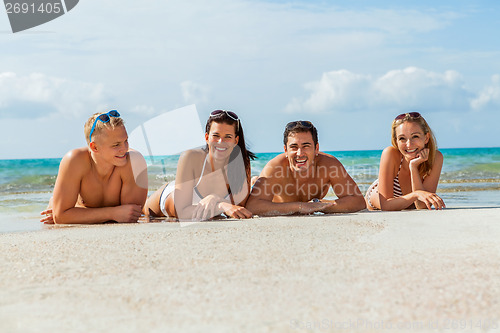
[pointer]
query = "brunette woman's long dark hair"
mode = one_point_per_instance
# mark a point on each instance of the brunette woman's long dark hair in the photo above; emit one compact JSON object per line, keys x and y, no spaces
{"x":236,"y":173}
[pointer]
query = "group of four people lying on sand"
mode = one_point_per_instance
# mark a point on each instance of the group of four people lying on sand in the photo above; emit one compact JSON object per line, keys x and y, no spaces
{"x":107,"y":181}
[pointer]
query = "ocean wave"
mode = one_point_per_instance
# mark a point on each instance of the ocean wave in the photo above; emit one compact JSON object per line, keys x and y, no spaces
{"x":29,"y":183}
{"x":492,"y":187}
{"x":463,"y":180}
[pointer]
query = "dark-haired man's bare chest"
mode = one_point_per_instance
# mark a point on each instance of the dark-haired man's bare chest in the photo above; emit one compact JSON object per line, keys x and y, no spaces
{"x":300,"y":190}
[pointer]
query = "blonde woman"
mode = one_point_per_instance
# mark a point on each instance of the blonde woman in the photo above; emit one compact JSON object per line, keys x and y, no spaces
{"x":409,"y":169}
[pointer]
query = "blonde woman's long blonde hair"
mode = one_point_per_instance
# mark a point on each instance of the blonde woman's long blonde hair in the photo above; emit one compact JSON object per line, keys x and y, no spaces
{"x":426,"y":167}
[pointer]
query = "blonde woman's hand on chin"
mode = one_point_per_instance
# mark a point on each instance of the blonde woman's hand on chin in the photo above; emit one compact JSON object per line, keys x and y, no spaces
{"x":207,"y":208}
{"x":422,"y":156}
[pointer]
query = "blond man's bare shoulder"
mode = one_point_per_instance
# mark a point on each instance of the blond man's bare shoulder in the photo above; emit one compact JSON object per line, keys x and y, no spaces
{"x":77,"y":156}
{"x":135,"y":158}
{"x":76,"y":163}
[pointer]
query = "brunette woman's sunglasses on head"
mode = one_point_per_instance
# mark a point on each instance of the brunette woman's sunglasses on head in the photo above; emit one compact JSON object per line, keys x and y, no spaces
{"x":230,"y":114}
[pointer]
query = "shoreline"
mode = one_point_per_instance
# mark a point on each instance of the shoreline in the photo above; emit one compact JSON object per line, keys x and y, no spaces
{"x":27,"y":222}
{"x":279,"y":274}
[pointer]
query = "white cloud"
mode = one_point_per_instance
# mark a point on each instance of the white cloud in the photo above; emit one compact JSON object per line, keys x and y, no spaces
{"x":37,"y":94}
{"x":144,"y":110}
{"x":418,"y":88}
{"x":410,"y":88}
{"x":337,"y":90}
{"x":194,"y":93}
{"x":489,"y":96}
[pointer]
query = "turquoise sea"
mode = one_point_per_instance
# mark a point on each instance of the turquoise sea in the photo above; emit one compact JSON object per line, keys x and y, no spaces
{"x":470,"y":178}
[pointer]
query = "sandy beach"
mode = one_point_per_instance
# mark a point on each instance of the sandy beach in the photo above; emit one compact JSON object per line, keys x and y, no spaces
{"x":368,"y":271}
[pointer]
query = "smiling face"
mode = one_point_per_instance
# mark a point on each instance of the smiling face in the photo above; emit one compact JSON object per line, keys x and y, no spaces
{"x":410,"y":139}
{"x":300,"y":151}
{"x":112,"y":145}
{"x":221,"y":140}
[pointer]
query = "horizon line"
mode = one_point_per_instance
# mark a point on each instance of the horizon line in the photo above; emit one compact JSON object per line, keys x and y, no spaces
{"x":261,"y":152}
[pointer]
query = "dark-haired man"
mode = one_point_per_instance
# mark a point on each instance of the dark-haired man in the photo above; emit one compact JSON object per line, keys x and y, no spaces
{"x":296,"y":181}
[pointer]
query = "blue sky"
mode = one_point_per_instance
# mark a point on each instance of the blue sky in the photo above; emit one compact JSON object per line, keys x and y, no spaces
{"x":348,"y":66}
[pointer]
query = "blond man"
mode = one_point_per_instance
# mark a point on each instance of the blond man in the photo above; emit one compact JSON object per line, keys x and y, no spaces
{"x":105,"y":181}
